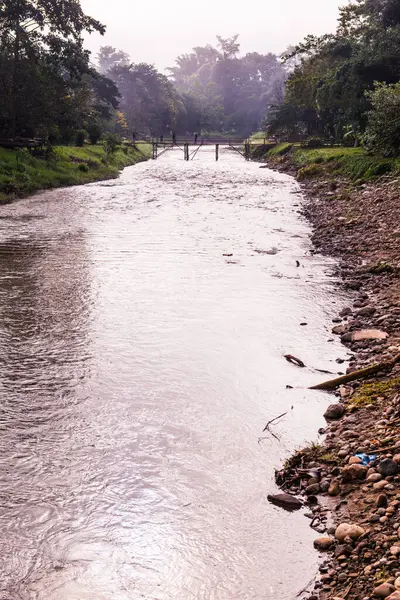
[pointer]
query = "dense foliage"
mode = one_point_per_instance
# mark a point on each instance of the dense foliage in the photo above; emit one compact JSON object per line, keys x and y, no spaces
{"x":328,"y":95}
{"x":210,"y":89}
{"x":48,"y":87}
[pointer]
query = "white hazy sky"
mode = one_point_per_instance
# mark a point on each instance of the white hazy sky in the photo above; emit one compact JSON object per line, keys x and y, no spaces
{"x":157,"y":31}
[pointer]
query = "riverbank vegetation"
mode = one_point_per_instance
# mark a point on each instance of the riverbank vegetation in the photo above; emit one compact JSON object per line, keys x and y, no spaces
{"x":345,"y":86}
{"x":22,"y":174}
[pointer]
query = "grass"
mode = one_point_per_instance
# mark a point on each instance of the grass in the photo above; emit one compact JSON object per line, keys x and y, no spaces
{"x":353,"y":163}
{"x":22,"y":174}
{"x":368,"y":393}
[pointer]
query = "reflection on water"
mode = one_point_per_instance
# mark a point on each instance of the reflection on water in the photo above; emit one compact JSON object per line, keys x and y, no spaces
{"x":142,"y":327}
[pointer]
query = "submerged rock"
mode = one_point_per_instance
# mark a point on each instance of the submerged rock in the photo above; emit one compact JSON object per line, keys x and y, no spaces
{"x":286,"y":501}
{"x":323,"y":543}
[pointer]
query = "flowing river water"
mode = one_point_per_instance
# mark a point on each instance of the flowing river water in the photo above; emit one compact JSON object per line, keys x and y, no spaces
{"x":138,"y":367}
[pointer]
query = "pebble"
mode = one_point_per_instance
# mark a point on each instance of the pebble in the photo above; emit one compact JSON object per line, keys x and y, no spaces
{"x":374,"y":478}
{"x":323,"y":543}
{"x":380,"y":485}
{"x":388,"y":467}
{"x":384,"y":590}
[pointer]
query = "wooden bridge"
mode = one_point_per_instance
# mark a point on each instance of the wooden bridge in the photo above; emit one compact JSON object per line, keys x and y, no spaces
{"x":190,"y":146}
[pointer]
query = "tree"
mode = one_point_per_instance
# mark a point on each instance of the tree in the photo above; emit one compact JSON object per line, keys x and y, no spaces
{"x":42,"y":37}
{"x":109,"y":58}
{"x":382,"y":133}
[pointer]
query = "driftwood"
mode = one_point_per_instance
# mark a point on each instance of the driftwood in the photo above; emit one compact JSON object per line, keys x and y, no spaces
{"x":295,"y":361}
{"x":361,"y":374}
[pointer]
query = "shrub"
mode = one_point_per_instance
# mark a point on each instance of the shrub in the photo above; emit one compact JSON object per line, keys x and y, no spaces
{"x":111,"y":143}
{"x":95,"y":132}
{"x":80,"y":138}
{"x":83,"y":168}
{"x":310,"y":171}
{"x":382,"y":134}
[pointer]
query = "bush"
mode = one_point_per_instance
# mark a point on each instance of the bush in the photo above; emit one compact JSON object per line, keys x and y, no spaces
{"x":111,"y":143}
{"x":80,"y":138}
{"x":83,"y":168}
{"x":95,"y":132}
{"x":382,"y":134}
{"x":310,"y":171}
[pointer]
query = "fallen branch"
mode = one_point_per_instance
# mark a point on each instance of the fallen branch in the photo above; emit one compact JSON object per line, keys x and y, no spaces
{"x":266,"y":428}
{"x":361,"y":374}
{"x":295,"y":361}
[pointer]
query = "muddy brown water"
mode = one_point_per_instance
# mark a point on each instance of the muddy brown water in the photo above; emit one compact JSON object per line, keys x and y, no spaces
{"x":138,"y":368}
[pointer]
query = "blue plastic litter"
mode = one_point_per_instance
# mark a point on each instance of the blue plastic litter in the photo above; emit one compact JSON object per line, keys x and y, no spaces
{"x":367,"y":459}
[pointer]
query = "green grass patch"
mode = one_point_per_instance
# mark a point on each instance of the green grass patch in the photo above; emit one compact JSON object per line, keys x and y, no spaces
{"x":368,"y":393}
{"x":353,"y":163}
{"x":22,"y":174}
{"x":280,"y":149}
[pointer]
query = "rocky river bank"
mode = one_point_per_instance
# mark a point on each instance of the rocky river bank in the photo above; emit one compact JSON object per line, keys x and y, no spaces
{"x":350,"y":484}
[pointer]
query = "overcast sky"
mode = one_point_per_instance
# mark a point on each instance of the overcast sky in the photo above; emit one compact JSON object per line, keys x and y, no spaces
{"x":157,"y":31}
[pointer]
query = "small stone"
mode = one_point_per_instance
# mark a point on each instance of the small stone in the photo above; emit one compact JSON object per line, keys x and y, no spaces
{"x":334,"y":488}
{"x":324,"y":485}
{"x":395,"y":550}
{"x":323,"y":543}
{"x":342,"y":453}
{"x":355,"y":460}
{"x":339,"y":329}
{"x":334,"y":411}
{"x":286,"y":501}
{"x":382,"y":501}
{"x":345,"y":312}
{"x":367,"y":311}
{"x":394,"y":596}
{"x":380,"y":485}
{"x":353,"y":472}
{"x":397,"y":583}
{"x":312,"y":489}
{"x":374,"y":477}
{"x":388,"y":467}
{"x":396,"y":458}
{"x":384,"y":590}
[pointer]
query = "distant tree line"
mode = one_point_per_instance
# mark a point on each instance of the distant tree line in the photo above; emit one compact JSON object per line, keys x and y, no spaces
{"x":345,"y":86}
{"x":210,"y":89}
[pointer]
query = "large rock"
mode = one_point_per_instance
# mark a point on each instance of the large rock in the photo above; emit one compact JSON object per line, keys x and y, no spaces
{"x":334,"y":411}
{"x":394,"y":596}
{"x":345,"y":530}
{"x":397,"y":583}
{"x":323,"y":543}
{"x":353,"y":473}
{"x":285,"y":501}
{"x":384,"y":590}
{"x":364,"y":334}
{"x":388,"y":467}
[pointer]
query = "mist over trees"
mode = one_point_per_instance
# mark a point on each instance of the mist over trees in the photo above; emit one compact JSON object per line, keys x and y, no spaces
{"x":209,"y":89}
{"x":344,"y":87}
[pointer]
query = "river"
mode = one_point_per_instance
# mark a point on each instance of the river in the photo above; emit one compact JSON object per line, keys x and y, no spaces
{"x":143,"y":323}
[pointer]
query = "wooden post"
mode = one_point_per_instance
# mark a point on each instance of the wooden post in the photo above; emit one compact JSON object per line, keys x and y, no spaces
{"x":155,"y":150}
{"x":216,"y":151}
{"x":247,"y":151}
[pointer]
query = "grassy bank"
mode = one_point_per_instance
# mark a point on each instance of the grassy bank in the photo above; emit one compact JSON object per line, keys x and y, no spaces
{"x":22,"y":174}
{"x":352,"y":163}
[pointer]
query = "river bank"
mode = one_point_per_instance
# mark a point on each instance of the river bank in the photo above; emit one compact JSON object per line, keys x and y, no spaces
{"x":359,"y":226}
{"x":22,"y":174}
